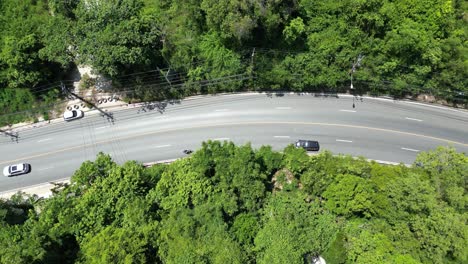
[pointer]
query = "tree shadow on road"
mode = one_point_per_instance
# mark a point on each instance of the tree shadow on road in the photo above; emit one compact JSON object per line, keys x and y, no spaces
{"x":276,"y":94}
{"x":159,"y":106}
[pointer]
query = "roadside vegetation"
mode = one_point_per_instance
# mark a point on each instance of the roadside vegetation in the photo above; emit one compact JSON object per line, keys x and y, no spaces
{"x":234,"y":204}
{"x":156,"y":49}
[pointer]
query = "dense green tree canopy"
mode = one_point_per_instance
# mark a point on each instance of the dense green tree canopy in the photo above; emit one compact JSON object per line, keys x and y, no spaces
{"x":234,"y":204}
{"x":409,"y":47}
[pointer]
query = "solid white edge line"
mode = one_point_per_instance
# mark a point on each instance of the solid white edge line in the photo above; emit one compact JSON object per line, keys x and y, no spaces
{"x":97,"y":128}
{"x":343,"y":140}
{"x":406,"y":101}
{"x":283,"y":108}
{"x":219,"y":139}
{"x":221,"y":110}
{"x":350,"y":111}
{"x":281,"y":136}
{"x":162,"y":146}
{"x":414,"y":119}
{"x":409,"y":149}
{"x":43,"y":140}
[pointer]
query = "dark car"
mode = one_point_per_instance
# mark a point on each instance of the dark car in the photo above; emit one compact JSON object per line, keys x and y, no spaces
{"x":16,"y":169}
{"x":309,"y":145}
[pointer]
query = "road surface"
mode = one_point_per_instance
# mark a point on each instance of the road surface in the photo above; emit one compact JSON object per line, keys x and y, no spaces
{"x":376,"y":129}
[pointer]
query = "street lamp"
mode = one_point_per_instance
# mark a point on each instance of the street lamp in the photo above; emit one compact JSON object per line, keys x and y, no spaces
{"x":353,"y":69}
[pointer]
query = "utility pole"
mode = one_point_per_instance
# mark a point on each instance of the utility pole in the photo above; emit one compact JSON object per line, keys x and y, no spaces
{"x":252,"y":57}
{"x":165,"y":75}
{"x":110,"y":116}
{"x":355,"y":64}
{"x":253,"y":67}
{"x":14,"y":137}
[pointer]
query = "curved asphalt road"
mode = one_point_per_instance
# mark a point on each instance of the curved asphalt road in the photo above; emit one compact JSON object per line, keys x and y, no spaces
{"x":377,"y":129}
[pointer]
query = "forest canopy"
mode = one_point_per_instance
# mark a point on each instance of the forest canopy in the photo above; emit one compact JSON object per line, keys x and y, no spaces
{"x":236,"y":204}
{"x":393,"y":47}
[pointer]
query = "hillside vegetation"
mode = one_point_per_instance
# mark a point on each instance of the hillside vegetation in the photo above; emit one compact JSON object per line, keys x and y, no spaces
{"x":160,"y":48}
{"x":234,"y":204}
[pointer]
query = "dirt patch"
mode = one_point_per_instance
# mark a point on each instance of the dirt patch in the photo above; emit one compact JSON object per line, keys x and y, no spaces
{"x":426,"y":98}
{"x":282,"y":178}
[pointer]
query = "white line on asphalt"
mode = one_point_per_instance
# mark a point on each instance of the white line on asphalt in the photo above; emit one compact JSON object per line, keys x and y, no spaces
{"x":436,"y":106}
{"x":351,"y":111}
{"x":43,"y":140}
{"x":46,"y":168}
{"x":415,"y":150}
{"x":221,"y":110}
{"x":283,"y":107}
{"x":414,"y":119}
{"x":97,"y":128}
{"x":220,"y":139}
{"x":281,"y":136}
{"x":405,"y":101}
{"x":162,"y":146}
{"x":343,"y":140}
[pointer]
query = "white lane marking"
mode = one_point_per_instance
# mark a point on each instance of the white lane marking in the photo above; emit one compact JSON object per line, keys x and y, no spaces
{"x":220,"y":139}
{"x":414,"y":119}
{"x":43,"y":140}
{"x":344,"y":140}
{"x":415,"y":150}
{"x":406,"y":102}
{"x":283,"y":108}
{"x":435,"y":106}
{"x":350,"y":111}
{"x":162,"y":146}
{"x":46,"y":168}
{"x":221,"y":110}
{"x":281,"y":136}
{"x":97,"y":128}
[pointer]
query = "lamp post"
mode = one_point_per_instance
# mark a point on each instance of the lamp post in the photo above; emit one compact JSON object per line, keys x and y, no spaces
{"x":353,"y":69}
{"x":351,"y":87}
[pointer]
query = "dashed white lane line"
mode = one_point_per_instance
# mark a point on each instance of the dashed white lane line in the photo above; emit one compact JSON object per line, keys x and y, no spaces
{"x":221,"y":110}
{"x":344,"y":140}
{"x":162,"y":146}
{"x":220,"y":139}
{"x":282,"y":136}
{"x":413,"y":119}
{"x":409,"y":149}
{"x":283,"y":108}
{"x":350,"y":111}
{"x":44,"y":140}
{"x":46,"y":168}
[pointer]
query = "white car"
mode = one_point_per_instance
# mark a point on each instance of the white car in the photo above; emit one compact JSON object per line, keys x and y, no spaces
{"x":16,"y":169}
{"x":72,"y":115}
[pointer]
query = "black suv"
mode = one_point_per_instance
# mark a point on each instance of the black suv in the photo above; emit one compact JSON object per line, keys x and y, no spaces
{"x":309,"y":145}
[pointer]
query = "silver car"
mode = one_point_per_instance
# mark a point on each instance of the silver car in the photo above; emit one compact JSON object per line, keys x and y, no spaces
{"x":72,"y":115}
{"x":16,"y":169}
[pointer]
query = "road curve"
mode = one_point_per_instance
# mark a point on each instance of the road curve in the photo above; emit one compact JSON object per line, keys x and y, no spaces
{"x":377,"y":129}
